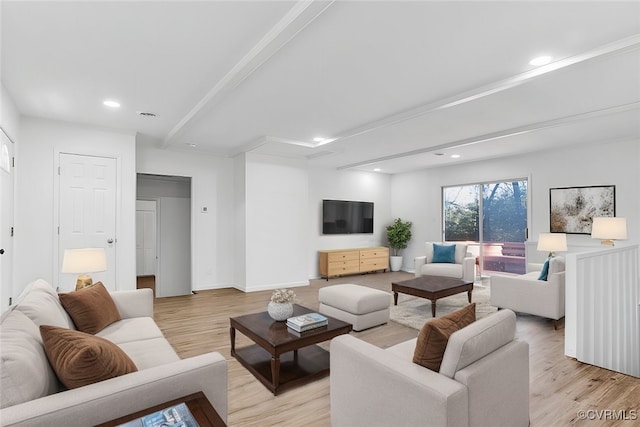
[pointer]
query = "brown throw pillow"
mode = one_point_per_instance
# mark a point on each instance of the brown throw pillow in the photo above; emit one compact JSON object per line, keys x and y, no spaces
{"x":91,"y":308}
{"x":81,"y":359}
{"x":434,"y":335}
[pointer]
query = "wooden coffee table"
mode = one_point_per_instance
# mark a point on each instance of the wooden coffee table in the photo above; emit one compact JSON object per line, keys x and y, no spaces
{"x":432,"y":288}
{"x":281,"y":358}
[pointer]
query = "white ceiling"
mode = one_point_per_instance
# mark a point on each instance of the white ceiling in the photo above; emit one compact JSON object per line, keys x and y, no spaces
{"x":391,"y":82}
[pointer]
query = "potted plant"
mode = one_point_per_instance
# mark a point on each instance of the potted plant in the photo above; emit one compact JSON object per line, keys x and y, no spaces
{"x":398,"y":235}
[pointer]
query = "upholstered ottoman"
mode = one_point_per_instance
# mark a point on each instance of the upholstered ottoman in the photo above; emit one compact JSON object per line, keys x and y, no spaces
{"x":361,"y":306}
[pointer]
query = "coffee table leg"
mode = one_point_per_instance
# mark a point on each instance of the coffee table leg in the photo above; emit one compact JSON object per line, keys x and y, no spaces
{"x":275,"y":371}
{"x":395,"y":298}
{"x":433,"y":308}
{"x":469,"y":294}
{"x":232,"y":333}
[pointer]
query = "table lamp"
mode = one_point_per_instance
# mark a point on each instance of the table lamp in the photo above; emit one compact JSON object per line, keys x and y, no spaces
{"x":84,"y":261}
{"x":609,"y":228}
{"x":552,"y":242}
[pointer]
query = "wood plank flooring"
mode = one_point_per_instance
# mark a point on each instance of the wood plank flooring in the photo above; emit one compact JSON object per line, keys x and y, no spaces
{"x":560,"y":386}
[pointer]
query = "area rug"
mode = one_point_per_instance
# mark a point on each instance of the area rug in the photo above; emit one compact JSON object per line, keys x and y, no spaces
{"x":414,"y":312}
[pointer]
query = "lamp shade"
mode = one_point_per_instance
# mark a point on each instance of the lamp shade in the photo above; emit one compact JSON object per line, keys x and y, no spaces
{"x":552,"y":242}
{"x":609,"y":228}
{"x":87,"y":260}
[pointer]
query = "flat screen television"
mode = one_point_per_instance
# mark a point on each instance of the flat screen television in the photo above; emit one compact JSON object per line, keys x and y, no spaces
{"x":347,"y":217}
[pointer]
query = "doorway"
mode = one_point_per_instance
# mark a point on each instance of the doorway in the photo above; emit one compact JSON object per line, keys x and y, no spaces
{"x":163,"y":234}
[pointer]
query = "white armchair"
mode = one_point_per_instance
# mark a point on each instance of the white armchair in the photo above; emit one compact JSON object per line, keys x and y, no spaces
{"x":528,"y":294}
{"x":483,"y":380}
{"x":463,"y":267}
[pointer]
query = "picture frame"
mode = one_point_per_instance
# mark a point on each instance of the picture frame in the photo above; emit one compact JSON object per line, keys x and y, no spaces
{"x":572,"y":209}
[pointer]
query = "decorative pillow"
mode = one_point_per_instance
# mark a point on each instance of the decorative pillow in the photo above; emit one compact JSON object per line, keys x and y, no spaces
{"x":25,"y":373}
{"x":81,"y":359}
{"x":91,"y":308}
{"x":434,"y":335}
{"x":444,"y":253}
{"x":544,"y":274}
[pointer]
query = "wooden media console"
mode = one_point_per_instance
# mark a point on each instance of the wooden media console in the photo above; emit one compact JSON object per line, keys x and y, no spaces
{"x":341,"y":262}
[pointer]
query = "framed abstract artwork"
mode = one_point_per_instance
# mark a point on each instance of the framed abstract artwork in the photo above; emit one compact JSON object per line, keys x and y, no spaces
{"x":572,"y":209}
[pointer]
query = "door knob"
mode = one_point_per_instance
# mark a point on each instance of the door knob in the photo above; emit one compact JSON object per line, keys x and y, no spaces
{"x":1,"y":251}
{"x":110,"y":241}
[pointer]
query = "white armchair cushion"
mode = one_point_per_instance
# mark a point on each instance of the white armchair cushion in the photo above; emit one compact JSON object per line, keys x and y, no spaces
{"x":475,"y":341}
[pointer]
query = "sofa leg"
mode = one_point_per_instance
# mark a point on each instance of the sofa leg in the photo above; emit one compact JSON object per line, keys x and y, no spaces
{"x":555,"y":324}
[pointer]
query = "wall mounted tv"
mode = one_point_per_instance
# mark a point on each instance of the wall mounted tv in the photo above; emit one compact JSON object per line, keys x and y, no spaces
{"x":347,"y":217}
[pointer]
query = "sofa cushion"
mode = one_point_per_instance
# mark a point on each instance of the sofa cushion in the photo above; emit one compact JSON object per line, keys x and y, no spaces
{"x":91,"y":308}
{"x":25,"y":373}
{"x":442,"y":269}
{"x":477,"y":340}
{"x":81,"y":359}
{"x":150,"y":353}
{"x":128,"y":330}
{"x":40,"y":303}
{"x":444,"y":253}
{"x":434,"y":335}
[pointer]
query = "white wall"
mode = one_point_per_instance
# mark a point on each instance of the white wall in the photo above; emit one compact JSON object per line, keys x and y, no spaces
{"x":41,"y":141}
{"x":240,"y":212}
{"x":346,"y":185}
{"x":212,"y":185}
{"x":276,"y":222}
{"x":417,"y":195}
{"x":10,"y":122}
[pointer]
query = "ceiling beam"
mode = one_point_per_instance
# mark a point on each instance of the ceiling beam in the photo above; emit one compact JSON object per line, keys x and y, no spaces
{"x":533,"y":127}
{"x":614,"y":48}
{"x":299,"y":16}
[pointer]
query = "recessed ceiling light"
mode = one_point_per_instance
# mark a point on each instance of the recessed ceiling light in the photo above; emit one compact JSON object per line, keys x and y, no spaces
{"x":455,"y":156}
{"x":112,"y":104}
{"x":540,"y":60}
{"x":319,"y":139}
{"x":438,"y":154}
{"x":377,"y":170}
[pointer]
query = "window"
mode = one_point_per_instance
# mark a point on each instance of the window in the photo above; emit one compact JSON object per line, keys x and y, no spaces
{"x":492,"y":218}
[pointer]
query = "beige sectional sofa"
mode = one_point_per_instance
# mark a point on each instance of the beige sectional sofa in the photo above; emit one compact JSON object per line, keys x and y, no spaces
{"x":483,"y":380}
{"x":32,"y":395}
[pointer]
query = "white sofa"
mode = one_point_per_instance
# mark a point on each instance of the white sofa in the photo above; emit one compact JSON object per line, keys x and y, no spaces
{"x":527,"y":294}
{"x":483,"y":380}
{"x":463,"y":268}
{"x":31,"y":394}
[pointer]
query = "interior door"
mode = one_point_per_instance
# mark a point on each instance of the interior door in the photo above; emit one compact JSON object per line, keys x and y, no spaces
{"x":146,"y":237}
{"x":175,"y":247}
{"x":87,"y":212}
{"x":6,"y":220}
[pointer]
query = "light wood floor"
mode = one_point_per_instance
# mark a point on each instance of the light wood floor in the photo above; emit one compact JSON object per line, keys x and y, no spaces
{"x":560,"y":386}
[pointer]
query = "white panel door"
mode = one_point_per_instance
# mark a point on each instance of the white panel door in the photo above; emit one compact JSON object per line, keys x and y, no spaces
{"x":145,"y":238}
{"x":6,"y":220}
{"x":174,"y":264}
{"x":87,"y":212}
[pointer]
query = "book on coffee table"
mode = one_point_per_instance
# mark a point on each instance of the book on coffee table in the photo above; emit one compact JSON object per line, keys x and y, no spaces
{"x":306,"y":322}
